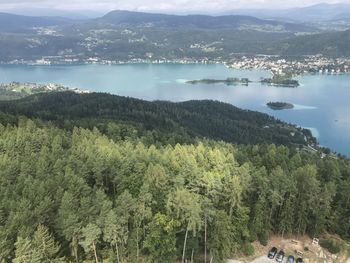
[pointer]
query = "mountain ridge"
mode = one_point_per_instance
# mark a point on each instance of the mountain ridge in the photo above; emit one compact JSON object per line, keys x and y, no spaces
{"x":313,"y":13}
{"x":122,"y":17}
{"x":20,"y":23}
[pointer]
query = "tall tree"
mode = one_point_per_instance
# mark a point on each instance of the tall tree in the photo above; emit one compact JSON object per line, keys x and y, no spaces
{"x":186,"y":206}
{"x":25,"y":253}
{"x":45,"y":246}
{"x":161,"y":238}
{"x":90,"y":238}
{"x":115,"y":232}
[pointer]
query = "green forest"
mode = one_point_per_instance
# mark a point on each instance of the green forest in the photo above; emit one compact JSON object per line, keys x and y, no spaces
{"x":158,"y":121}
{"x":100,"y":190}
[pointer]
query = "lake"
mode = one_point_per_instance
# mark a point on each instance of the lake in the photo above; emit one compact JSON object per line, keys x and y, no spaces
{"x":322,"y":101}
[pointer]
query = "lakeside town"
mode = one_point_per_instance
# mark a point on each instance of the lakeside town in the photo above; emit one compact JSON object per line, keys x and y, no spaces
{"x":296,"y":66}
{"x":317,"y":64}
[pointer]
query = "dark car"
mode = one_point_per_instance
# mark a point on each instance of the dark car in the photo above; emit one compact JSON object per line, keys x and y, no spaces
{"x":272,"y":252}
{"x":299,"y":260}
{"x":280,"y":256}
{"x":290,"y":259}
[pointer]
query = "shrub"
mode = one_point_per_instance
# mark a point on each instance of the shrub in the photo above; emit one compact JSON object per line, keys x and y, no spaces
{"x":306,"y":248}
{"x":252,"y":237}
{"x":248,"y":249}
{"x":331,"y":245}
{"x":263,"y":239}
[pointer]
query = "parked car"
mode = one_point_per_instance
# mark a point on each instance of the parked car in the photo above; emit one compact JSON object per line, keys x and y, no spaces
{"x":290,"y":259}
{"x":299,"y":260}
{"x":272,"y":253}
{"x":280,"y":256}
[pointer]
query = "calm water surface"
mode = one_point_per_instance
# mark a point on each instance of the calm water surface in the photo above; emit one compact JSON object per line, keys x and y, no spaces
{"x":322,"y":102}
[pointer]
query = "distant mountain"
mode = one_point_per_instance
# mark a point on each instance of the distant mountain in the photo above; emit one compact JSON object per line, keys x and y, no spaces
{"x":127,"y":18}
{"x":314,"y":13}
{"x":47,"y":12}
{"x":123,"y":35}
{"x":19,"y":24}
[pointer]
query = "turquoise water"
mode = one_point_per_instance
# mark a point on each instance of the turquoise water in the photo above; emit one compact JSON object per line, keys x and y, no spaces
{"x":322,"y":103}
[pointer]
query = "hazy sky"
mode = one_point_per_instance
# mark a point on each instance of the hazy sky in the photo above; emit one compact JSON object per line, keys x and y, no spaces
{"x":158,"y":5}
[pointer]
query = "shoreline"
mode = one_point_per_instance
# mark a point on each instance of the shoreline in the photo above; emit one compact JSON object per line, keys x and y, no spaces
{"x":120,"y":63}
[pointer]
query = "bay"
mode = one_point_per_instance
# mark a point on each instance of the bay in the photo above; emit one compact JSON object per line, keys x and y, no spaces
{"x":322,"y":102}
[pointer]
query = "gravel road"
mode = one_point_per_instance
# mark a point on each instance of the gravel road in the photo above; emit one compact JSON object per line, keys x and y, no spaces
{"x":262,"y":259}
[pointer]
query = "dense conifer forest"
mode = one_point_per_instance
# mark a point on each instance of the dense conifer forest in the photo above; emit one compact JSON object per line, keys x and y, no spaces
{"x":86,"y":181}
{"x":158,"y":121}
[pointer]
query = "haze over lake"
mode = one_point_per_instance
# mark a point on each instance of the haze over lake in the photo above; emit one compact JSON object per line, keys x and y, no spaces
{"x":321,"y":102}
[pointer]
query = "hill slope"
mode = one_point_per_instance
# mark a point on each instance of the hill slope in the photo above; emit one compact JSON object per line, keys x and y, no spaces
{"x":214,"y":120}
{"x":330,"y":44}
{"x":19,"y":23}
{"x":125,"y":18}
{"x":314,"y":13}
{"x":61,"y":191}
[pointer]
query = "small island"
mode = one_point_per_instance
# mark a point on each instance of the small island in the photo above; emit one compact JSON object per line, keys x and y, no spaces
{"x":281,"y":81}
{"x":280,"y":105}
{"x":276,"y":80}
{"x":228,"y":81}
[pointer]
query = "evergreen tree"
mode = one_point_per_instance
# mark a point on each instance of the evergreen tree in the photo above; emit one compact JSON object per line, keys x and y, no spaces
{"x":90,"y":238}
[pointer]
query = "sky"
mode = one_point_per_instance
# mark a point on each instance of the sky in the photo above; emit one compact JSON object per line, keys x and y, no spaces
{"x":157,"y":5}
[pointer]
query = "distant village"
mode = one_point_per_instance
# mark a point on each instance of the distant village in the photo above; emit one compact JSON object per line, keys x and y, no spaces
{"x":305,"y":65}
{"x":317,"y":64}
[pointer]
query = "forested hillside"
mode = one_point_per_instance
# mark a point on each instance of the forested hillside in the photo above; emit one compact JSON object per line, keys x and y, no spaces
{"x":25,"y":24}
{"x":331,"y":43}
{"x":127,"y":18}
{"x":122,"y":35}
{"x":158,"y":121}
{"x":78,"y":195}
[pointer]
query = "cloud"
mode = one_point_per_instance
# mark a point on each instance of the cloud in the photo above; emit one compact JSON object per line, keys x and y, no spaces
{"x":154,"y":5}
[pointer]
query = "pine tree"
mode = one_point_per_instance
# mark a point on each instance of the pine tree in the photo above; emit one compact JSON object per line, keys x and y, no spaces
{"x":25,"y":252}
{"x":115,"y":232}
{"x":161,"y":239}
{"x":45,"y":245}
{"x":91,"y":235}
{"x":187,"y":208}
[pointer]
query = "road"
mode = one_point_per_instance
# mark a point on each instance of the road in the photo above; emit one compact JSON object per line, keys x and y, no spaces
{"x":265,"y":259}
{"x":262,"y":259}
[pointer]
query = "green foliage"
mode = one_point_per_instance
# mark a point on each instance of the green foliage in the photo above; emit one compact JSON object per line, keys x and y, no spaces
{"x":90,"y":236}
{"x":248,"y":249}
{"x":161,"y":240}
{"x":331,"y":245}
{"x":45,"y":245}
{"x":42,"y":248}
{"x":129,"y":201}
{"x":157,"y":122}
{"x":263,"y":238}
{"x":186,"y":207}
{"x":25,"y":252}
{"x":221,"y":237}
